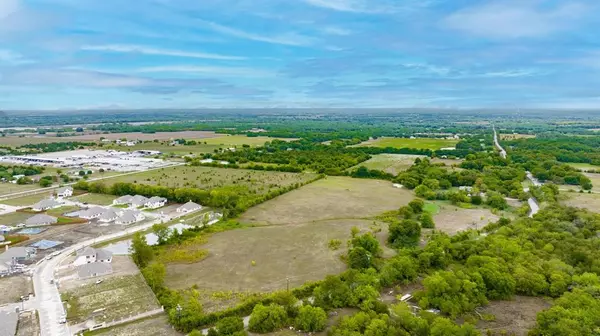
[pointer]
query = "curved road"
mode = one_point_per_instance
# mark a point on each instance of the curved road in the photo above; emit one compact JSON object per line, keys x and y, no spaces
{"x":533,"y":205}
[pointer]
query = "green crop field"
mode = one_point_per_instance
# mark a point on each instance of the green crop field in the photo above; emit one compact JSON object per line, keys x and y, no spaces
{"x":259,"y":182}
{"x":421,"y":143}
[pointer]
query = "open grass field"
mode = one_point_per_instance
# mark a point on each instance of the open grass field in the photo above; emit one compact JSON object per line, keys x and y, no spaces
{"x":397,"y":163}
{"x":120,"y":296}
{"x":62,"y":210}
{"x":98,"y":199}
{"x":516,"y":136}
{"x":14,"y":218}
{"x":146,"y":136}
{"x":11,"y":188}
{"x":587,"y":201}
{"x":329,"y":198}
{"x":297,"y":252}
{"x":27,"y":200}
{"x":516,"y":317}
{"x":452,"y":219}
{"x":16,"y":141}
{"x":239,"y":140}
{"x":420,"y":143}
{"x":583,"y":166}
{"x":209,"y":177}
{"x":155,"y":326}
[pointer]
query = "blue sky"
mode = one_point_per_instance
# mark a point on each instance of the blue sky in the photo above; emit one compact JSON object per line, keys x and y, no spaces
{"x":64,"y":54}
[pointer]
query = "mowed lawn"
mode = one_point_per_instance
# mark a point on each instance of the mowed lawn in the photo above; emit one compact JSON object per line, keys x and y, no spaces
{"x":210,"y":177}
{"x":99,"y":199}
{"x":11,"y":188}
{"x":14,"y":218}
{"x":420,"y":143}
{"x":330,"y":198}
{"x":27,"y":200}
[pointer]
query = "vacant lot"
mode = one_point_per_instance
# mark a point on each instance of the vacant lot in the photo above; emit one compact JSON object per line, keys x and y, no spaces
{"x":12,"y":288}
{"x":120,"y":297}
{"x":583,"y":166}
{"x":452,"y":219}
{"x":516,"y":317}
{"x":27,"y":200}
{"x":14,"y":218}
{"x":421,"y":143}
{"x":587,"y":201}
{"x":208,"y":178}
{"x":516,"y":136}
{"x":16,"y":141}
{"x":145,"y":136}
{"x":155,"y":326}
{"x":28,"y":324}
{"x":11,"y":188}
{"x":296,"y":252}
{"x":99,"y":199}
{"x":390,"y":163}
{"x":330,"y":198}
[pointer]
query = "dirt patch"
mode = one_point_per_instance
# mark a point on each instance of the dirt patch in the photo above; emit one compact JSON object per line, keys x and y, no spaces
{"x":514,"y":317}
{"x":452,"y":219}
{"x":330,"y":198}
{"x":28,"y":324}
{"x":156,"y":326}
{"x":13,"y":287}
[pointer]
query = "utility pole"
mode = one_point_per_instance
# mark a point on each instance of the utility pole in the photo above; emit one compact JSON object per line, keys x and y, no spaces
{"x":287,"y":279}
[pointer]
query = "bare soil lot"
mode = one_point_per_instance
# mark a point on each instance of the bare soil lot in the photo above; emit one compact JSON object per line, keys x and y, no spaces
{"x":13,"y":287}
{"x":452,"y":219}
{"x":330,"y":198}
{"x":156,"y":326}
{"x":299,"y":253}
{"x":122,"y":266}
{"x":28,"y":324}
{"x":515,"y":317}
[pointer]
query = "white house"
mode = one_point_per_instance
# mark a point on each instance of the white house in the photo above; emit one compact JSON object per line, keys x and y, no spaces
{"x":138,"y":201}
{"x":127,"y":217}
{"x":64,"y":192}
{"x":46,"y":205}
{"x":92,"y":213}
{"x":189,"y":207}
{"x":155,"y":202}
{"x":90,"y":255}
{"x":123,"y":200}
{"x":40,"y":220}
{"x":109,"y":215}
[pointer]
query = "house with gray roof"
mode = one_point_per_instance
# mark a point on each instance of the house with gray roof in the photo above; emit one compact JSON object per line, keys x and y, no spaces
{"x":155,"y":202}
{"x":123,"y":200}
{"x":92,"y":270}
{"x":64,"y":192}
{"x":138,"y":201}
{"x":46,"y":204}
{"x":127,"y":217}
{"x":189,"y":207}
{"x":14,"y":259}
{"x":92,"y":213}
{"x":90,"y":255}
{"x":40,"y":220}
{"x":108,"y":215}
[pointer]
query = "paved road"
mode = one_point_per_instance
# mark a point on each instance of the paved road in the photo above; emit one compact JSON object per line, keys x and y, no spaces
{"x":42,"y":190}
{"x":533,"y":205}
{"x":48,"y":299}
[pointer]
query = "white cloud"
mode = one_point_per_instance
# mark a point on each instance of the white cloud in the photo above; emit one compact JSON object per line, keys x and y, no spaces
{"x":331,"y":30}
{"x":123,"y":48}
{"x":11,"y":58}
{"x":209,"y":70}
{"x":515,"y":19}
{"x":292,"y":39}
{"x":371,"y":6}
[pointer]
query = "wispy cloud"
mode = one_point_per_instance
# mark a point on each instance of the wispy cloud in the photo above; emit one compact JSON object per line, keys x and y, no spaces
{"x":9,"y":57}
{"x":292,"y":39}
{"x":332,"y":30}
{"x":123,"y":48}
{"x":371,"y":6}
{"x":208,"y":70}
{"x":515,"y":19}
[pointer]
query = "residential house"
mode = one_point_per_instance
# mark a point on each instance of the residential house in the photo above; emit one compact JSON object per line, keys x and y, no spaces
{"x":109,"y":215}
{"x":127,"y":217}
{"x":40,"y":220}
{"x":92,"y":213}
{"x":92,"y":270}
{"x":46,"y":204}
{"x":155,"y":202}
{"x":138,"y":201}
{"x":5,"y":229}
{"x":64,"y":192}
{"x":89,"y":255}
{"x":123,"y":200}
{"x":14,"y":258}
{"x":189,"y":207}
